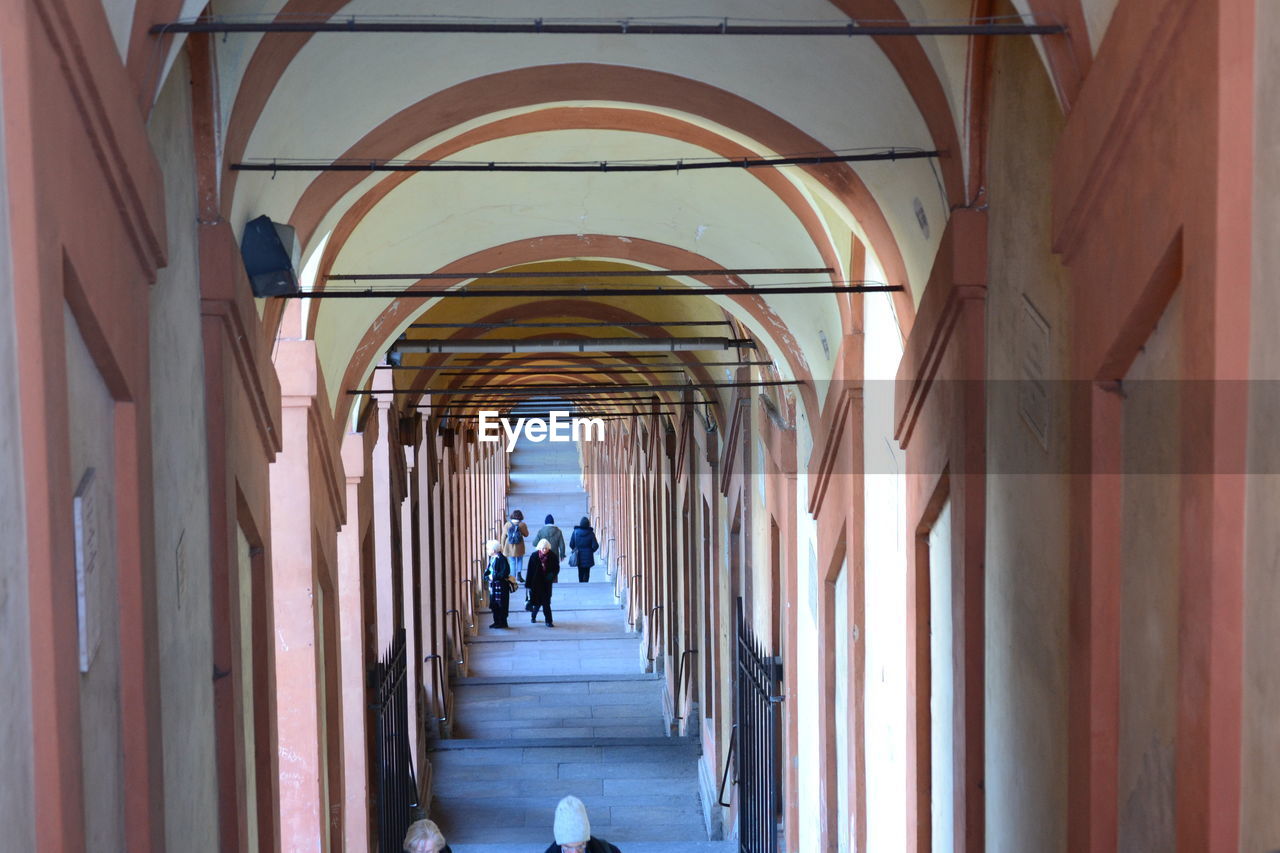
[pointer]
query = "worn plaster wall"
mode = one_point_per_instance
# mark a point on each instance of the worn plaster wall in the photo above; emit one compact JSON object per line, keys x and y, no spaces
{"x":1149,"y":635}
{"x":1260,"y":776}
{"x":885,"y":631}
{"x":181,"y":479}
{"x":16,"y":800}
{"x":93,"y":478}
{"x":1027,"y":430}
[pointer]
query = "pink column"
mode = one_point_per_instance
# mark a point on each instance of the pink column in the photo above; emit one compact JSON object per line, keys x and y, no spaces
{"x":355,"y":772}
{"x":292,"y":574}
{"x":382,"y":509}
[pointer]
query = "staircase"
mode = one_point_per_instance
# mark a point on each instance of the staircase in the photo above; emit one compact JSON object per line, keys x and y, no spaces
{"x":553,"y":711}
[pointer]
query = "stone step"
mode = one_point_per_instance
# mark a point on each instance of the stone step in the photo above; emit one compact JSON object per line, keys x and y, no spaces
{"x":547,"y":712}
{"x":556,"y":679}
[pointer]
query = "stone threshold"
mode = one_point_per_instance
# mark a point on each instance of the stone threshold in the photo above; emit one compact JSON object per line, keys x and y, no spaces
{"x":452,"y":744}
{"x":599,"y":608}
{"x":551,"y":638}
{"x":565,"y":678}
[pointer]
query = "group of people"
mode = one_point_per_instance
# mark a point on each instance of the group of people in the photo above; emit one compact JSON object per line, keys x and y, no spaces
{"x":506,"y":568}
{"x":572,"y":830}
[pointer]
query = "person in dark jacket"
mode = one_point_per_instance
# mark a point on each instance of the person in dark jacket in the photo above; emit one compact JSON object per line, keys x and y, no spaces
{"x":573,"y":830}
{"x":552,"y":534}
{"x":541,"y":571}
{"x":497,"y":573}
{"x":584,"y":544}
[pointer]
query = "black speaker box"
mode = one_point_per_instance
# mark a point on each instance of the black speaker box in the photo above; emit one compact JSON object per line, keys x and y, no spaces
{"x":270,"y":252}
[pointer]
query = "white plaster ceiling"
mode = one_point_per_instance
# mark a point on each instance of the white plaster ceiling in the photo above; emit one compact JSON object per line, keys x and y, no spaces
{"x":842,"y":92}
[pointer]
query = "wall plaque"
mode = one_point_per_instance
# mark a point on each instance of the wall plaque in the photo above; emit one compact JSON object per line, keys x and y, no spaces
{"x":88,"y":568}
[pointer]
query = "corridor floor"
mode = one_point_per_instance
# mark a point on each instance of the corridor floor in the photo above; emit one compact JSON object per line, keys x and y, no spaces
{"x":547,"y":712}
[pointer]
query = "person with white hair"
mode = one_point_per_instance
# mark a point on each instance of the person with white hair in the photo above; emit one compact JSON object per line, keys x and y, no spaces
{"x":498,"y":575}
{"x":542,"y":570}
{"x":573,"y":830}
{"x":424,"y":837}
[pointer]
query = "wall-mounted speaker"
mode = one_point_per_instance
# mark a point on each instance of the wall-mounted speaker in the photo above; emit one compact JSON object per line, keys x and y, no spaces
{"x":270,"y":252}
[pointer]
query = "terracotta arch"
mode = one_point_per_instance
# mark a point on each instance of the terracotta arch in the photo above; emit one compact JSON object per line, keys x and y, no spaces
{"x":530,"y":87}
{"x":556,"y":308}
{"x":648,"y":252}
{"x":306,"y":217}
{"x":275,"y":52}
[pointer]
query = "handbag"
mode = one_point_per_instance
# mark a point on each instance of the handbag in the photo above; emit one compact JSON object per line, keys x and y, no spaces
{"x":513,"y":583}
{"x":573,"y":559}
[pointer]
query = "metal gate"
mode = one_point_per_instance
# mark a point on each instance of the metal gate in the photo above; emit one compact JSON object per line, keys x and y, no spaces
{"x":756,"y":711}
{"x":396,"y":795}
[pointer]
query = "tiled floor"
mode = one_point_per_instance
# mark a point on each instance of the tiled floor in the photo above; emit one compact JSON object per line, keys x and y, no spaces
{"x":564,"y":710}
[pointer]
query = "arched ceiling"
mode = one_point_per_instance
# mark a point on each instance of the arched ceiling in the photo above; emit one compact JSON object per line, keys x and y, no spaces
{"x":543,"y":98}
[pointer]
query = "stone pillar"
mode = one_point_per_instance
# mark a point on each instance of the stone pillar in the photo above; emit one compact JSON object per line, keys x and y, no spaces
{"x":382,"y":509}
{"x":351,"y":640}
{"x":304,"y":512}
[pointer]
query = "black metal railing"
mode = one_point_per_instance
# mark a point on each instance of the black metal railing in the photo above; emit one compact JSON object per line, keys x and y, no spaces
{"x":458,"y":636}
{"x":728,"y":765}
{"x":396,"y":795}
{"x":757,"y":706}
{"x":680,"y":671}
{"x":649,"y":650}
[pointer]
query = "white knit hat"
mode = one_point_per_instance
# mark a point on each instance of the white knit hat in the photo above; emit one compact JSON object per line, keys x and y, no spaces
{"x":423,"y":834}
{"x":572,"y":826}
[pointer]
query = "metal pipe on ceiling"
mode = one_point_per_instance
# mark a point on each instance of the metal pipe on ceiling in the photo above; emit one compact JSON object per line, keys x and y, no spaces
{"x":595,"y":324}
{"x":456,"y":407}
{"x":464,"y":293}
{"x":551,"y":390}
{"x":606,"y":415}
{"x":298,"y":165}
{"x":427,"y":276}
{"x":572,"y":345}
{"x":589,"y":401}
{"x":572,"y":358}
{"x":624,"y":27}
{"x":464,"y":368}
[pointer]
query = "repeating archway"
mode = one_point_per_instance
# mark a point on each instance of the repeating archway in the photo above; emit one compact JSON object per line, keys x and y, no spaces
{"x":396,"y":315}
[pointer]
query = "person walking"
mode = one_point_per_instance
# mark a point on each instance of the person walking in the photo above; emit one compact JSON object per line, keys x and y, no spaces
{"x":552,"y":534}
{"x":584,"y":544}
{"x":513,"y":542}
{"x":498,"y":575}
{"x":572,"y":830}
{"x":544,"y":571}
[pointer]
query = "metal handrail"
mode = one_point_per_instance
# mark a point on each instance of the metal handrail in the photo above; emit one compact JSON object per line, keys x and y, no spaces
{"x":457,"y":618}
{"x":609,"y":557}
{"x":440,"y":686}
{"x":728,"y":762}
{"x":477,"y":593}
{"x":617,"y":575}
{"x":675,"y":700}
{"x":649,"y":624}
{"x":631,"y":600}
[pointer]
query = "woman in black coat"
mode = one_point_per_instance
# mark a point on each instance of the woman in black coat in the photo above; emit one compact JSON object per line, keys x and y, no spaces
{"x":584,"y":544}
{"x":541,"y":570}
{"x":497,"y":573}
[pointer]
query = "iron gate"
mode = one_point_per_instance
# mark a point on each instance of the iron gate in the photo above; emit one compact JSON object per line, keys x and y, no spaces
{"x":396,"y":795}
{"x":756,"y":710}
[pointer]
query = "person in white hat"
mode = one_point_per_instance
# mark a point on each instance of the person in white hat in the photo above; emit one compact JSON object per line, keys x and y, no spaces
{"x":424,"y":837}
{"x":573,"y":830}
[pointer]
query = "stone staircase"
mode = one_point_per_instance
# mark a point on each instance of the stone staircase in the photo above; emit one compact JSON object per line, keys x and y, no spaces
{"x":547,"y":712}
{"x":546,"y":479}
